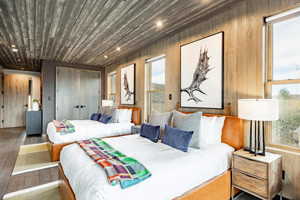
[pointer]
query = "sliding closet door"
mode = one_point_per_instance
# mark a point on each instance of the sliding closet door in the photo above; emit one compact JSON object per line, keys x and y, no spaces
{"x":89,"y":93}
{"x":67,"y":93}
{"x":16,"y":90}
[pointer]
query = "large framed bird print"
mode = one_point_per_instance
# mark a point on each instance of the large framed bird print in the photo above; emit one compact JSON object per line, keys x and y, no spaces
{"x":202,"y":73}
{"x":128,"y":85}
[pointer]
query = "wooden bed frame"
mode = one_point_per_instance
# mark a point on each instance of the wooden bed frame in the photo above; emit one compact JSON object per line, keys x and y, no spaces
{"x":217,"y":188}
{"x":55,"y":149}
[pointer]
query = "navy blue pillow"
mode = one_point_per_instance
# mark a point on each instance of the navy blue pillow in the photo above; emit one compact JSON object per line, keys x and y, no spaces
{"x":151,"y":132}
{"x":105,"y":118}
{"x":95,"y":116}
{"x":177,"y":138}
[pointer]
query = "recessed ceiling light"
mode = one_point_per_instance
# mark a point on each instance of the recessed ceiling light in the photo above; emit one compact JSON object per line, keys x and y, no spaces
{"x":118,"y":49}
{"x":159,"y":24}
{"x":13,"y":46}
{"x":105,"y":56}
{"x":14,"y":50}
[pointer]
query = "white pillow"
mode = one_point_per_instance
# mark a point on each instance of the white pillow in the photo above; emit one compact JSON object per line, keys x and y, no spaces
{"x":211,"y":131}
{"x":122,"y":115}
{"x":115,"y":116}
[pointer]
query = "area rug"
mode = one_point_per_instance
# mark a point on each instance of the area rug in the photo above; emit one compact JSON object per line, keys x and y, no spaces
{"x":33,"y":157}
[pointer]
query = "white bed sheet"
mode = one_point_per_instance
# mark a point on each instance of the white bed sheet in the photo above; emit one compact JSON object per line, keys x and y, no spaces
{"x":173,"y":172}
{"x":86,"y":129}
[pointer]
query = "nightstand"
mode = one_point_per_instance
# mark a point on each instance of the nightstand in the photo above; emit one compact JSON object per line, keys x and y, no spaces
{"x":33,"y":122}
{"x":136,"y":129}
{"x":257,"y":175}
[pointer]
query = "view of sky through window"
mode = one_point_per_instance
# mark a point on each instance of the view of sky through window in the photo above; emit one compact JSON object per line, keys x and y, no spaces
{"x":286,"y":51}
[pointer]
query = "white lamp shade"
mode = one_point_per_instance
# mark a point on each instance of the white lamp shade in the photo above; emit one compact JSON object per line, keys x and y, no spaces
{"x":107,"y":103}
{"x":258,"y":109}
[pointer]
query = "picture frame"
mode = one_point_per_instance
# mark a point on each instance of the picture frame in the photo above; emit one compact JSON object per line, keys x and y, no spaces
{"x":202,"y":73}
{"x":127,"y":91}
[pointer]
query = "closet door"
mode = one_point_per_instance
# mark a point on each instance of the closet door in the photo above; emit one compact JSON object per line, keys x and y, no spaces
{"x":89,"y":93}
{"x":67,"y":93}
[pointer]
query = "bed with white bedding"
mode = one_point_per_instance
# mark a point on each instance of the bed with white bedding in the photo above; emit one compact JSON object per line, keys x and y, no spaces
{"x":173,"y":172}
{"x":85,"y":129}
{"x":125,"y":118}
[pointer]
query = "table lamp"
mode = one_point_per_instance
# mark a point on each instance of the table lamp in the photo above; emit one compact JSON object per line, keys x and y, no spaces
{"x":258,"y":111}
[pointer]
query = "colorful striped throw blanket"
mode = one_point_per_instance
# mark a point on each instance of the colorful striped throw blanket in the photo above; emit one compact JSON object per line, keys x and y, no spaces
{"x":118,"y":167}
{"x":64,"y":127}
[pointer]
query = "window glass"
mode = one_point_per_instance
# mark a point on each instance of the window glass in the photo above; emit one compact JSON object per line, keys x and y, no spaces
{"x":155,"y":86}
{"x":286,"y":51}
{"x":286,"y":130}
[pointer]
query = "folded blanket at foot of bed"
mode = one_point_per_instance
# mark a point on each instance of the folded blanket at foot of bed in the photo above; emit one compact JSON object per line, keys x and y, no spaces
{"x":64,"y":127}
{"x":118,"y":167}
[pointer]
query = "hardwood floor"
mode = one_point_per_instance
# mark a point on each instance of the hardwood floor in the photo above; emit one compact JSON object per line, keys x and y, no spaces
{"x":31,"y":179}
{"x":34,"y":139}
{"x":10,"y":141}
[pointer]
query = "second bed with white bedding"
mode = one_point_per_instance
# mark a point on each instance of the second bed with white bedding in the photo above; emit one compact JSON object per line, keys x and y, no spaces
{"x":85,"y":129}
{"x":173,"y":172}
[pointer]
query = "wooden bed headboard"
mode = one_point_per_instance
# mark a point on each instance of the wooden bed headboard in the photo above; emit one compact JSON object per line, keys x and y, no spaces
{"x":136,"y":114}
{"x":233,"y":131}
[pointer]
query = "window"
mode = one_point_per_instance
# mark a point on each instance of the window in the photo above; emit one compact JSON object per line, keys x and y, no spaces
{"x":283,"y":77}
{"x":111,"y":86}
{"x":155,"y":85}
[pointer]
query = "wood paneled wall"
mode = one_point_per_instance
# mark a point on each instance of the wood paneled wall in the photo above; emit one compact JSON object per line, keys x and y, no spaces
{"x":242,"y":23}
{"x":48,"y":87}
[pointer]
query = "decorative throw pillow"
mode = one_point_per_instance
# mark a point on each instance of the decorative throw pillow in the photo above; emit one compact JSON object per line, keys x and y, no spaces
{"x":188,"y":122}
{"x":95,"y":116}
{"x":211,"y":131}
{"x":177,"y":138}
{"x":108,"y":110}
{"x":150,"y":132}
{"x":105,"y":118}
{"x":161,"y":119}
{"x":124,"y":115}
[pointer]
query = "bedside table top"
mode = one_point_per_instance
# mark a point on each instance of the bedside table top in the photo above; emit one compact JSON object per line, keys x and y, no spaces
{"x":268,"y":158}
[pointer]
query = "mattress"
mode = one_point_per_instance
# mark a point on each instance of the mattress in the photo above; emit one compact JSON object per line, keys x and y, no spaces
{"x":85,"y":129}
{"x":173,"y":172}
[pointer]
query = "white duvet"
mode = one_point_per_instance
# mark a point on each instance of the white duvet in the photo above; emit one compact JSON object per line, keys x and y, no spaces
{"x":173,"y":172}
{"x":86,"y":129}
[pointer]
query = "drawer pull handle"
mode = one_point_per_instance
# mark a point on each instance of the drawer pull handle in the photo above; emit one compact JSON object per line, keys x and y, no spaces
{"x":248,"y":175}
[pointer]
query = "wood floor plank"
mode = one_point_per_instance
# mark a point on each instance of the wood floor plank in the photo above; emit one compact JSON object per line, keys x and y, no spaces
{"x":32,"y":179}
{"x":35,"y":139}
{"x":10,"y":141}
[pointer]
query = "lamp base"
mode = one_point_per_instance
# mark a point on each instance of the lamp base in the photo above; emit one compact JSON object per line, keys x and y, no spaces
{"x":259,"y":139}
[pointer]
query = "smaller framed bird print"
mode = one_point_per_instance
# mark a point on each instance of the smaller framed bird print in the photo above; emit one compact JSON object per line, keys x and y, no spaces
{"x":202,"y":71}
{"x":128,"y":85}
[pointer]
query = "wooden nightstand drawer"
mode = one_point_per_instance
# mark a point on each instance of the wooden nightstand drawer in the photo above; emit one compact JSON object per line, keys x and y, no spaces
{"x":250,"y":183}
{"x":258,"y":169}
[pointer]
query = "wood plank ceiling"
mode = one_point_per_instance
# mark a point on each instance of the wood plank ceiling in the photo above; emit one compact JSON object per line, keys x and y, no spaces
{"x":86,"y":31}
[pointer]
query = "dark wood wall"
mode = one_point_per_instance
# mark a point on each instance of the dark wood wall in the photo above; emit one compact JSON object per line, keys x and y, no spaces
{"x":48,"y":70}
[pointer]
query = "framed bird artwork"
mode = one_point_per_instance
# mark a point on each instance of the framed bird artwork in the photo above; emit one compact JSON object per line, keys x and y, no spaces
{"x":128,"y":85}
{"x":202,"y":71}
